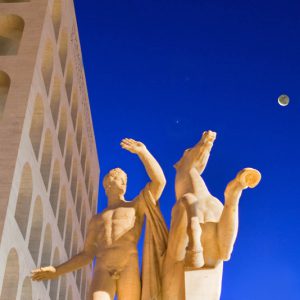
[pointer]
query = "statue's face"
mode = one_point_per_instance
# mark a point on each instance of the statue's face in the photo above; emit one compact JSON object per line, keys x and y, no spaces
{"x":116,"y":183}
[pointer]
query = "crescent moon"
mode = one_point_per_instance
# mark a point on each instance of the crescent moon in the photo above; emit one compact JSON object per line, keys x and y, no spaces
{"x":283,"y":100}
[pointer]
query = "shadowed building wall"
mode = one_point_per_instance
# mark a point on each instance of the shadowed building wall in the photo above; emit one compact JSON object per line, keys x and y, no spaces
{"x":49,"y":169}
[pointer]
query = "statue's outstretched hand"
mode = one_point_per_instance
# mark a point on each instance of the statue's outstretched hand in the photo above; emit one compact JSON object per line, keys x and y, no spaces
{"x":133,"y":146}
{"x":44,"y":273}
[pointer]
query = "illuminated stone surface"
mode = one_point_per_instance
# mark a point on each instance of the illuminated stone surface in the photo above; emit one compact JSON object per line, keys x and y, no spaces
{"x":44,"y":110}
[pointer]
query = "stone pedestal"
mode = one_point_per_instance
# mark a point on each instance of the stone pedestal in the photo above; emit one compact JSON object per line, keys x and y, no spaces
{"x":203,"y":284}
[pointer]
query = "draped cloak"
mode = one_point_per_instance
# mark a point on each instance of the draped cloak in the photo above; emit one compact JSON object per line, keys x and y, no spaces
{"x":155,"y":246}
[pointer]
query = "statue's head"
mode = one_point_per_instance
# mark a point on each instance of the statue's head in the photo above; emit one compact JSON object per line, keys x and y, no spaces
{"x":115,"y":181}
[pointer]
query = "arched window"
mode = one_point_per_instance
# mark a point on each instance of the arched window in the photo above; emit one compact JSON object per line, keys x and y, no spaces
{"x":91,"y":194}
{"x":37,"y":123}
{"x":56,"y":16}
{"x":74,"y":108}
{"x":63,"y":287}
{"x":63,"y":48}
{"x":62,"y":211}
{"x":83,"y":221}
{"x":11,"y":276}
{"x":47,"y":249}
{"x":74,"y":245}
{"x":83,"y":155}
{"x":79,"y":132}
{"x":83,"y":284}
{"x":69,"y":81}
{"x":70,"y":293}
{"x":74,"y":179}
{"x":36,"y":229}
{"x":47,"y":65}
{"x":62,"y":129}
{"x":46,"y":158}
{"x":11,"y":30}
{"x":69,"y":153}
{"x":47,"y":246}
{"x":78,"y":279}
{"x":95,"y":202}
{"x":68,"y":236}
{"x":87,"y":176}
{"x":79,"y":200}
{"x":24,"y":199}
{"x":55,"y":184}
{"x":4,"y":87}
{"x":55,"y":99}
{"x":54,"y":283}
{"x":26,"y":293}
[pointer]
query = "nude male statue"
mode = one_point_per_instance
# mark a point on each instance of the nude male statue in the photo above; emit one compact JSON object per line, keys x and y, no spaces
{"x":202,"y":232}
{"x":112,"y":235}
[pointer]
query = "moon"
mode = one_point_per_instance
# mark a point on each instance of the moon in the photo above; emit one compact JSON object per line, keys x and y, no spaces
{"x":283,"y":100}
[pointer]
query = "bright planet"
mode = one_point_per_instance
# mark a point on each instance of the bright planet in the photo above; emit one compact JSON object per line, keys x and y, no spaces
{"x":283,"y":100}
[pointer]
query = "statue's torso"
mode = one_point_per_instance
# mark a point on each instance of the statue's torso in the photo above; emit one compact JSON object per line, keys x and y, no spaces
{"x":118,"y":232}
{"x":116,"y":223}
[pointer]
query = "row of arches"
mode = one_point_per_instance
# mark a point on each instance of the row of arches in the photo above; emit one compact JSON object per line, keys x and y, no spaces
{"x":65,"y":221}
{"x":60,"y":119}
{"x":61,"y":116}
{"x":11,"y":279}
{"x":47,"y":65}
{"x":62,"y":213}
{"x":10,"y":27}
{"x":71,"y":163}
{"x":22,"y":219}
{"x":63,"y":45}
{"x":36,"y":131}
{"x":35,"y":134}
{"x":36,"y":231}
{"x":12,"y":276}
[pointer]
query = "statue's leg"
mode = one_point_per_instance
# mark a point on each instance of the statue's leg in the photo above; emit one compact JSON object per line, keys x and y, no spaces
{"x":103,"y":286}
{"x":194,"y":251}
{"x":129,"y":283}
{"x":228,"y":224}
{"x":173,"y":268}
{"x":178,"y":238}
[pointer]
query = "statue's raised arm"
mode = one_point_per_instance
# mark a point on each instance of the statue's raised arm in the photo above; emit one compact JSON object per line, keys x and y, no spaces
{"x":153,"y":169}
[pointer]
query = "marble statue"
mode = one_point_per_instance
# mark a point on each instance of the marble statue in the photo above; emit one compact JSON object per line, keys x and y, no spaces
{"x":203,"y":231}
{"x":112,"y":238}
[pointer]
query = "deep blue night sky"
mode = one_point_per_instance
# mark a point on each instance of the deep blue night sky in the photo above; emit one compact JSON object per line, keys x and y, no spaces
{"x":164,"y":71}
